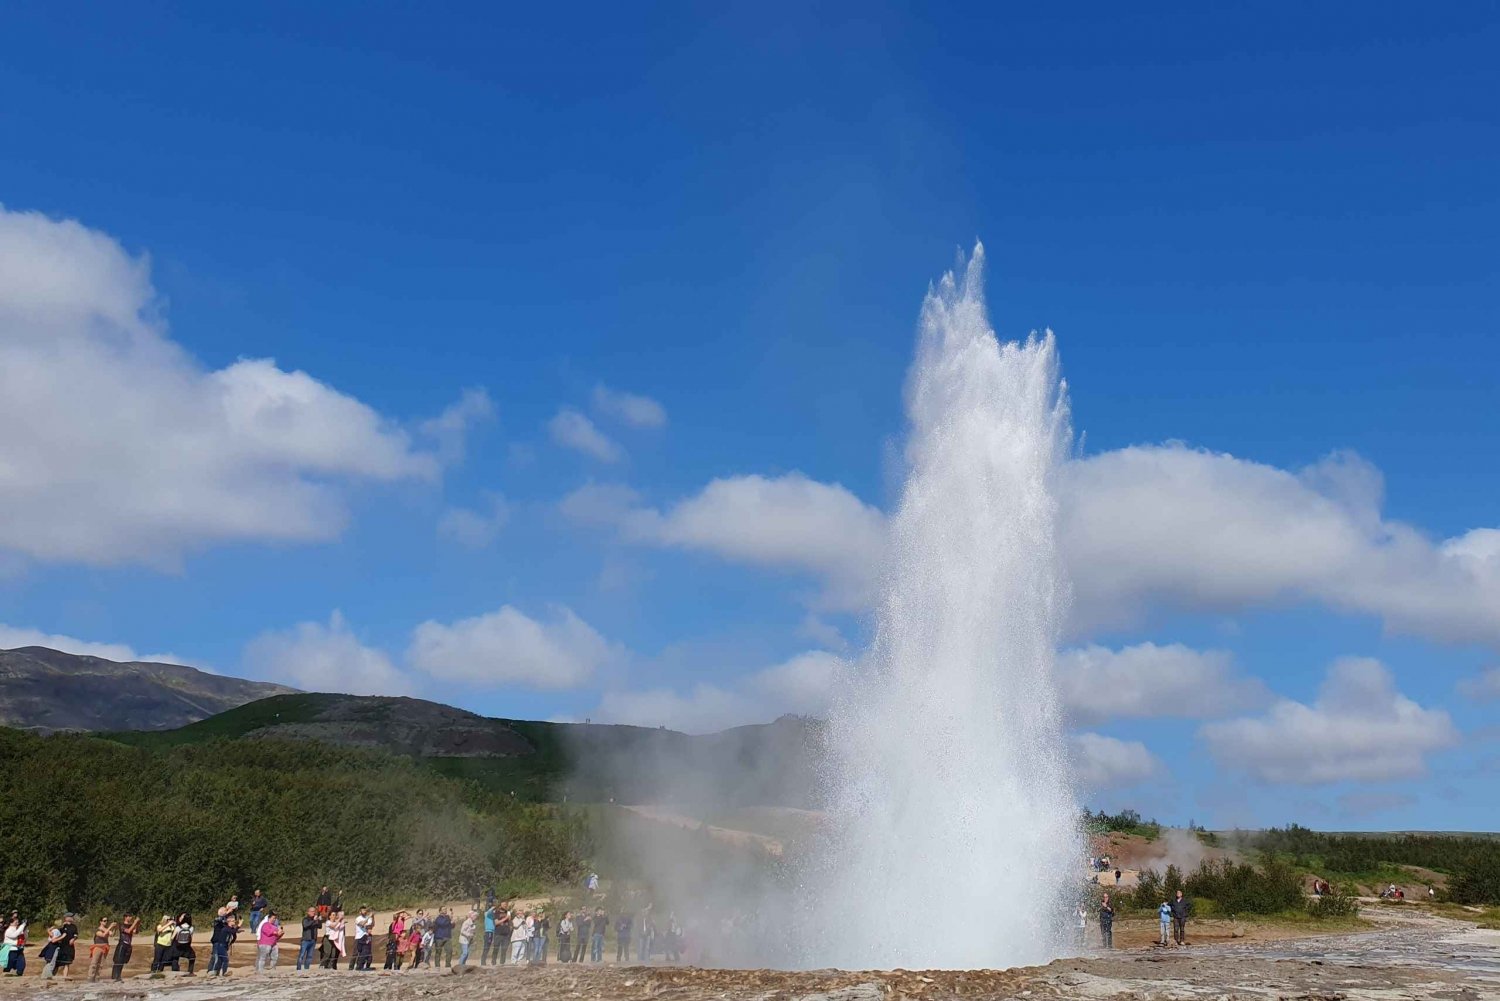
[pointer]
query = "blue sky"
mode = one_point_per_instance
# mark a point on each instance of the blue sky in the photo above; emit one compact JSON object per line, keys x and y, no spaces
{"x":1268,"y":233}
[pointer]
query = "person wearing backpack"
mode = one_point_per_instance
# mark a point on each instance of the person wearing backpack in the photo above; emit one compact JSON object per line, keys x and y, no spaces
{"x":182,"y":943}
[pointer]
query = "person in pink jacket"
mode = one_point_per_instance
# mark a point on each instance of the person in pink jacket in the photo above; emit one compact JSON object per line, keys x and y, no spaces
{"x":265,"y":942}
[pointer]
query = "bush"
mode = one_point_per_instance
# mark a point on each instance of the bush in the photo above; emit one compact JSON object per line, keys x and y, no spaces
{"x":1476,"y":881}
{"x":1333,"y":905}
{"x":1243,"y":889}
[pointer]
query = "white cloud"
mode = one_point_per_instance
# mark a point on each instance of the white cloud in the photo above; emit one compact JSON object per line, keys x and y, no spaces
{"x":508,"y":647}
{"x":636,"y":411}
{"x":1147,"y":528}
{"x":1104,"y":763}
{"x":12,"y":637}
{"x":1358,"y":729}
{"x":1143,"y":530}
{"x":475,"y":529}
{"x":450,"y":428}
{"x":1483,"y":687}
{"x":1147,"y":680}
{"x":787,"y":522}
{"x":325,"y":658}
{"x":822,"y":632}
{"x":120,"y":447}
{"x":802,"y":684}
{"x":573,"y":430}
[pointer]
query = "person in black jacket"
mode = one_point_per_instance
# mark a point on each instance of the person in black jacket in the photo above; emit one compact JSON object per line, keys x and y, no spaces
{"x":1181,"y":908}
{"x":1106,"y":923}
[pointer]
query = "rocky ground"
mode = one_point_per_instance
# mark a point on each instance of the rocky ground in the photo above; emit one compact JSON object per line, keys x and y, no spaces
{"x":1415,"y":956}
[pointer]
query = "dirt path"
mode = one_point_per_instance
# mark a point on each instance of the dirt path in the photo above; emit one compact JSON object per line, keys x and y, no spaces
{"x":1424,"y":957}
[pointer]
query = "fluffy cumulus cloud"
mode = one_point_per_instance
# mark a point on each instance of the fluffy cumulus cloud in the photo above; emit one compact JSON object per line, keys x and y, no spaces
{"x":1142,"y":530}
{"x":787,"y":521}
{"x":1152,"y":527}
{"x":636,"y":411}
{"x":120,"y":447}
{"x":1151,"y":681}
{"x":802,"y":685}
{"x":571,"y":429}
{"x":325,"y":657}
{"x":1105,"y":763}
{"x":1359,"y":729}
{"x":509,"y":647}
{"x":497,"y":649}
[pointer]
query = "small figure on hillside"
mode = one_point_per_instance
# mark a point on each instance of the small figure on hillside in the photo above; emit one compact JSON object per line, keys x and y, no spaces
{"x":1106,"y":923}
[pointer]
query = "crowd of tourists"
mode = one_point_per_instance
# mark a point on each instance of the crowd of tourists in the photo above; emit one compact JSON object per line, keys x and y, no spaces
{"x":328,"y":938}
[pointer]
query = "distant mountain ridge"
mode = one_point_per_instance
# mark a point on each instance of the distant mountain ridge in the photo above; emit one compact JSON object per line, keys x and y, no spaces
{"x":769,"y":764}
{"x":47,"y":690}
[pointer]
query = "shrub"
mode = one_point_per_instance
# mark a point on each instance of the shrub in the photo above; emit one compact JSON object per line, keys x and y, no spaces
{"x":1333,"y":905}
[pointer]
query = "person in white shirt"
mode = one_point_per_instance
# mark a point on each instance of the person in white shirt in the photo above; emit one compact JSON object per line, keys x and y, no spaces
{"x":363,"y":946}
{"x":466,"y":936}
{"x":520,"y":940}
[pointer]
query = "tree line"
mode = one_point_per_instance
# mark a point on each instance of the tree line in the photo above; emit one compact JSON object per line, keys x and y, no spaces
{"x":88,"y":824}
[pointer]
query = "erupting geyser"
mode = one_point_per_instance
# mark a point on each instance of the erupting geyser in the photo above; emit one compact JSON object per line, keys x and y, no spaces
{"x":955,"y":839}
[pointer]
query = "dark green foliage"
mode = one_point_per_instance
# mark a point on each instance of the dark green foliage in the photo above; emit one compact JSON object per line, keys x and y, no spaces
{"x":1124,"y":822}
{"x":1238,"y":888}
{"x":1153,"y":887}
{"x":1476,"y":880}
{"x":86,"y":822}
{"x":1359,"y":853}
{"x":1333,"y":905}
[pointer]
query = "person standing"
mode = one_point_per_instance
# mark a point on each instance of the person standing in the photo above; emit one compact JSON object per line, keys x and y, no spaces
{"x":1082,"y":920}
{"x":1181,"y":908}
{"x":565,"y":938}
{"x":466,"y":936}
{"x":333,"y":940}
{"x":267,"y":943}
{"x":442,"y":938}
{"x":1164,"y":917}
{"x":162,"y":943}
{"x":596,"y":940}
{"x":647,"y":937}
{"x":623,"y":925}
{"x":125,"y":946}
{"x":520,"y":932}
{"x":539,"y":938}
{"x":66,"y":944}
{"x":13,"y":954}
{"x":324,"y":904}
{"x":364,"y":925}
{"x":505,"y":929}
{"x":1106,"y":923}
{"x":310,"y":924}
{"x":182,"y":944}
{"x":489,"y":935}
{"x":219,"y":940}
{"x":258,"y":906}
{"x":99,"y":950}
